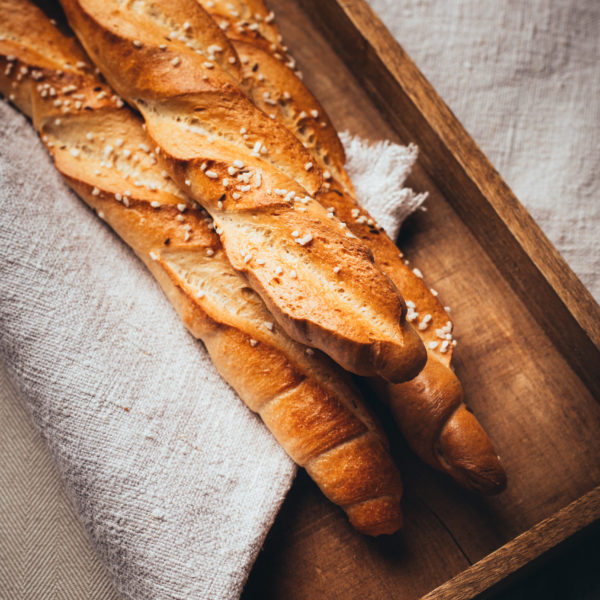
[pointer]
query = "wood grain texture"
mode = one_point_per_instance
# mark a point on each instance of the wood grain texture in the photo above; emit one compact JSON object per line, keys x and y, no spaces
{"x":511,"y":238}
{"x":519,"y":380}
{"x":522,"y":550}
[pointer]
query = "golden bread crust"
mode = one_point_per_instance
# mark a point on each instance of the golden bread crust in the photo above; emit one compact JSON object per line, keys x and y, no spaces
{"x":102,"y":150}
{"x":429,"y":409}
{"x":213,"y":140}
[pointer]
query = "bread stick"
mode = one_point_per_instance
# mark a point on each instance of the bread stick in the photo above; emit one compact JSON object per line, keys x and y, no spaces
{"x":100,"y":147}
{"x":430,"y":409}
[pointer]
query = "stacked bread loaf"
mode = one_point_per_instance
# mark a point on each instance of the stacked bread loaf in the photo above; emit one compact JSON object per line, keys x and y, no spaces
{"x":429,"y":409}
{"x":239,"y":205}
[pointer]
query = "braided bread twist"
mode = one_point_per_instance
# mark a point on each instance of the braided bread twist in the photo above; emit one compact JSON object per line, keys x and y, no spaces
{"x":100,"y":147}
{"x":170,"y":60}
{"x":429,"y":409}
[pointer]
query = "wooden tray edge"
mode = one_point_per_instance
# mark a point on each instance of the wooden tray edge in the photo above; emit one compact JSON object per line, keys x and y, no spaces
{"x":520,"y":551}
{"x":554,"y":295}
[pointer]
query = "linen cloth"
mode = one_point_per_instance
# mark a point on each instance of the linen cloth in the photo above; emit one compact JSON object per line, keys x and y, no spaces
{"x":175,"y":480}
{"x":524,"y":80}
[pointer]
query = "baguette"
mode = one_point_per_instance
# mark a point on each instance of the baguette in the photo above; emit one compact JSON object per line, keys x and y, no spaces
{"x":170,"y":60}
{"x":102,"y":150}
{"x":430,"y":409}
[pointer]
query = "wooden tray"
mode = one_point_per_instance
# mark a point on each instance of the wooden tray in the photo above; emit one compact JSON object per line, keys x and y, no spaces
{"x":528,"y":349}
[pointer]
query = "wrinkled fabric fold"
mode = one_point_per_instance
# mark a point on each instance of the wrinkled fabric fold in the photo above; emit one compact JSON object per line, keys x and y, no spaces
{"x":176,"y":482}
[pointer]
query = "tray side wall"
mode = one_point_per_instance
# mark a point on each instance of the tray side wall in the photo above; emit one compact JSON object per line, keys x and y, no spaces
{"x":525,"y":257}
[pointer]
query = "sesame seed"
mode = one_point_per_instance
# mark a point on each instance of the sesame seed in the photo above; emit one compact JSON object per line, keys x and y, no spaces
{"x":118,"y":197}
{"x":293,"y":274}
{"x":257,"y":147}
{"x":155,"y":204}
{"x":144,"y":147}
{"x":180,"y":218}
{"x":163,"y":46}
{"x":236,"y":195}
{"x":302,"y":115}
{"x":278,"y":270}
{"x":432,"y":345}
{"x":238,"y":163}
{"x":186,"y":26}
{"x":153,"y":256}
{"x":211,"y":174}
{"x":410,"y":304}
{"x":253,"y":342}
{"x":200,"y":294}
{"x":126,"y":153}
{"x":444,"y":346}
{"x":418,"y":273}
{"x":309,"y":352}
{"x":326,"y":175}
{"x":315,"y":113}
{"x":209,"y":65}
{"x":424,"y":324}
{"x":260,"y":261}
{"x":308,"y":166}
{"x":269,"y":325}
{"x":304,"y":240}
{"x":137,"y":43}
{"x":433,"y":292}
{"x":247,"y":258}
{"x":181,"y":207}
{"x":74,"y":152}
{"x":210,"y":252}
{"x":188,"y":182}
{"x":231,"y":60}
{"x":411,"y":315}
{"x":186,"y":237}
{"x":336,"y":269}
{"x":176,"y":61}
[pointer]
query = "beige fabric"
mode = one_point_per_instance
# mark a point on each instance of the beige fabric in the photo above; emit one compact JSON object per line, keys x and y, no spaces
{"x":44,"y":551}
{"x":523,"y":78}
